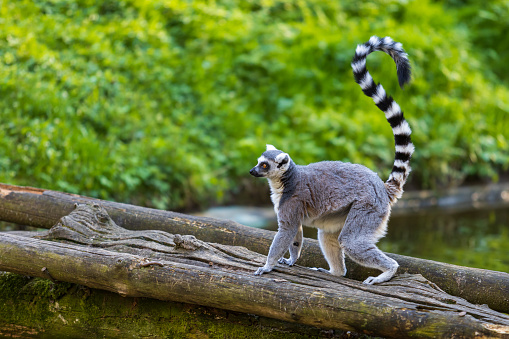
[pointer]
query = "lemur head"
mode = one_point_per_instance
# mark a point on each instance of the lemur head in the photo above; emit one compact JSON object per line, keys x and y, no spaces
{"x":272,"y":164}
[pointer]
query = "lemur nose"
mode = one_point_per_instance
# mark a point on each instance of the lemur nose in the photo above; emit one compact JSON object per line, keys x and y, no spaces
{"x":252,"y":171}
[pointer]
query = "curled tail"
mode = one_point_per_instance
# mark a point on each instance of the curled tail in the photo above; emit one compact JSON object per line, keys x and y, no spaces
{"x":393,"y":113}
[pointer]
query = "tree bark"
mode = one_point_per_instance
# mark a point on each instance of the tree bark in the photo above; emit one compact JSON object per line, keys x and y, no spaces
{"x":38,"y":308}
{"x":43,"y":208}
{"x":88,"y":248}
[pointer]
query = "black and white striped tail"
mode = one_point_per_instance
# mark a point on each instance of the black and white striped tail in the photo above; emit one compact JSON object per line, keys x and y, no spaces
{"x":393,"y":113}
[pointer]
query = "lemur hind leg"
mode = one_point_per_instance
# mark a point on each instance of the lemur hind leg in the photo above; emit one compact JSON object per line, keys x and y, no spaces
{"x":358,"y":238}
{"x":295,"y":249}
{"x":332,"y":252}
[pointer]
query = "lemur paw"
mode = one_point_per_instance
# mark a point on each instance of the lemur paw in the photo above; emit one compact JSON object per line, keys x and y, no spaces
{"x":386,"y":276}
{"x":371,"y":281}
{"x":375,"y":280}
{"x":338,"y":274}
{"x":262,"y":270}
{"x":285,"y":261}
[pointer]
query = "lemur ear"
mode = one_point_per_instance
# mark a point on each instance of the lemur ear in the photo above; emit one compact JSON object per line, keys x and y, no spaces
{"x":282,"y":159}
{"x":271,"y":148}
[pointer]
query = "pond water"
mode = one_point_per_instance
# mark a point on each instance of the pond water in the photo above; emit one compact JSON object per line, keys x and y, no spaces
{"x":475,"y":238}
{"x":478,"y":238}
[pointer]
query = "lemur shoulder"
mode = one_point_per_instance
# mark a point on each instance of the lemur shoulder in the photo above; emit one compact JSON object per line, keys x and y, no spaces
{"x":348,"y":203}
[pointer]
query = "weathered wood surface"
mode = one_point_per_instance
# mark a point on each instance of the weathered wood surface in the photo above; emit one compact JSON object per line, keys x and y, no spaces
{"x":43,"y":208}
{"x":33,"y":307}
{"x":88,"y":248}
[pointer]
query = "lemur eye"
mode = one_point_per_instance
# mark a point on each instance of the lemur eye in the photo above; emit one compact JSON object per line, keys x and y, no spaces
{"x":264,"y":166}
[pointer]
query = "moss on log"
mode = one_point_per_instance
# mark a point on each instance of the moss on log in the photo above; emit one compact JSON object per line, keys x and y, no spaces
{"x":38,"y":308}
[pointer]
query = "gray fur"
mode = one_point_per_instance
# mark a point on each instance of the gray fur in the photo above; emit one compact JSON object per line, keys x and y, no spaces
{"x":348,"y":203}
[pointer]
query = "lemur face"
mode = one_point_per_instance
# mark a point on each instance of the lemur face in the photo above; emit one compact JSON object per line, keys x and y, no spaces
{"x":272,"y":164}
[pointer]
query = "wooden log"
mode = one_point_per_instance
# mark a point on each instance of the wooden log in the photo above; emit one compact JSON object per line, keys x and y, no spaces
{"x":38,"y":308}
{"x":43,"y":208}
{"x":90,"y":249}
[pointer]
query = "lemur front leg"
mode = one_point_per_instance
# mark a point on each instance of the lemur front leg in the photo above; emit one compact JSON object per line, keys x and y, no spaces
{"x":284,"y":236}
{"x":295,"y":249}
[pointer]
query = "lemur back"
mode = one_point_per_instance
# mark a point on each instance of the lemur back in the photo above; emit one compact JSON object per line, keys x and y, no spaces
{"x":348,"y":203}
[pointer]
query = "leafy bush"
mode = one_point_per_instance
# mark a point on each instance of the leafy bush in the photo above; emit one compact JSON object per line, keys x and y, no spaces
{"x":169,"y":103}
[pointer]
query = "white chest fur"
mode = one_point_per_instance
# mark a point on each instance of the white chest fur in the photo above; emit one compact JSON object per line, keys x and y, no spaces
{"x":276,"y":192}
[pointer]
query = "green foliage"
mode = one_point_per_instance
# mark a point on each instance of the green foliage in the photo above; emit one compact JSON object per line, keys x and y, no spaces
{"x":487,"y":23}
{"x":169,"y":103}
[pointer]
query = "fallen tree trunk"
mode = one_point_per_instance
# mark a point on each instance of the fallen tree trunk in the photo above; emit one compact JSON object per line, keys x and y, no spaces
{"x":88,"y":248}
{"x":38,"y":308}
{"x":43,"y":208}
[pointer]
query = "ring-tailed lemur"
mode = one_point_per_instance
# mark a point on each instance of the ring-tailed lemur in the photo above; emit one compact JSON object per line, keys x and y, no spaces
{"x":348,"y":203}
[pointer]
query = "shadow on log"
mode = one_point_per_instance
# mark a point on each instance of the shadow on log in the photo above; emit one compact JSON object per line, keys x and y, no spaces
{"x":43,"y":208}
{"x":88,"y":248}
